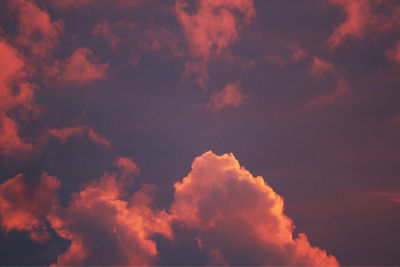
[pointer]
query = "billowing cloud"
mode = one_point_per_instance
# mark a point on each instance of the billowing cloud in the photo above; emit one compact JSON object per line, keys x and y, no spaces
{"x":229,"y":96}
{"x":238,"y":218}
{"x":342,"y":89}
{"x":211,"y":29}
{"x":63,"y":134}
{"x":106,"y":228}
{"x":23,"y":206}
{"x":36,"y":30}
{"x":320,"y":66}
{"x":81,"y":68}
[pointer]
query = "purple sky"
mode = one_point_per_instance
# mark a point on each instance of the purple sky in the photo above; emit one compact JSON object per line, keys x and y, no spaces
{"x":107,"y":106}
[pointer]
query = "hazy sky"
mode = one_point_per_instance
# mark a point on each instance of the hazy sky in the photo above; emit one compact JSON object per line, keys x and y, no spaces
{"x":203,"y":132}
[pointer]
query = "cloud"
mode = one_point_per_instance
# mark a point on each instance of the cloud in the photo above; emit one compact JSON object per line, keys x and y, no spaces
{"x":320,"y":66}
{"x":214,"y":26}
{"x":10,"y":141}
{"x":211,"y":29}
{"x":394,"y":54}
{"x":36,"y":30}
{"x":63,"y":134}
{"x":342,"y":89}
{"x":230,"y":96}
{"x":81,"y":68}
{"x":105,"y":228}
{"x":296,"y":52}
{"x":364,"y":18}
{"x":238,"y":218}
{"x":15,"y":92}
{"x":23,"y":206}
{"x":103,"y":29}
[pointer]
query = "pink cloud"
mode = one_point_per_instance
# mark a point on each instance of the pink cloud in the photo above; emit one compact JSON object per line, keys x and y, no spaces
{"x":296,"y":52}
{"x":363,"y":19}
{"x":22,"y":207}
{"x":81,"y":68}
{"x":214,"y":26}
{"x":230,"y":96}
{"x":36,"y":30}
{"x":10,"y":141}
{"x":342,"y":90}
{"x":103,"y":29}
{"x":320,"y":66}
{"x":63,"y":134}
{"x":15,"y":92}
{"x":238,"y":218}
{"x":211,"y":30}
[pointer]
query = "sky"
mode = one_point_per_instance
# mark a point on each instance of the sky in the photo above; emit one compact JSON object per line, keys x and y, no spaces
{"x":209,"y":132}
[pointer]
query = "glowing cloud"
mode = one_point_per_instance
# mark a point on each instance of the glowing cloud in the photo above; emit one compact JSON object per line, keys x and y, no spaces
{"x":36,"y":30}
{"x":320,"y":66}
{"x":63,"y":134}
{"x":12,"y":76}
{"x":239,"y":218}
{"x":363,"y":18}
{"x":81,"y":68}
{"x":342,"y":89}
{"x":211,"y":29}
{"x":23,"y":207}
{"x":230,"y":96}
{"x":105,"y":228}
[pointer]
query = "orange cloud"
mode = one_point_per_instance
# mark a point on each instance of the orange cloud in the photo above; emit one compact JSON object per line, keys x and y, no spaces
{"x":238,"y":218}
{"x":106,"y":229}
{"x":81,"y":68}
{"x":342,"y":89}
{"x":36,"y":30}
{"x":230,"y":96}
{"x":320,"y":66}
{"x":211,"y":29}
{"x":62,"y":134}
{"x":23,"y":207}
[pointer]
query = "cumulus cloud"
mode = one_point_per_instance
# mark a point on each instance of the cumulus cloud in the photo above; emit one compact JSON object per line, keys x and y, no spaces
{"x":105,"y":228}
{"x":81,"y":68}
{"x":320,"y":66}
{"x":239,"y":219}
{"x":63,"y":134}
{"x":229,"y":96}
{"x":211,"y":29}
{"x":36,"y":30}
{"x":342,"y":89}
{"x":23,"y":206}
